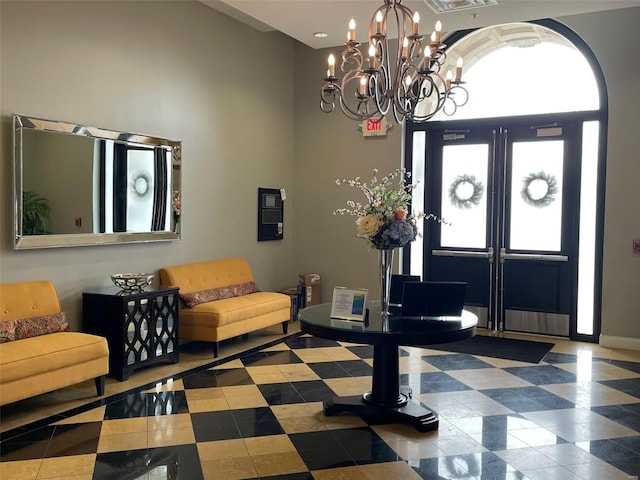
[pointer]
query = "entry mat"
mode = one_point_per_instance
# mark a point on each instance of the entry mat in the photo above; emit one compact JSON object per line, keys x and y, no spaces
{"x":499,"y":347}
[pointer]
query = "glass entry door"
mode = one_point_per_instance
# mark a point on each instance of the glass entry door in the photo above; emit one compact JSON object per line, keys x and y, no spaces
{"x":509,"y":197}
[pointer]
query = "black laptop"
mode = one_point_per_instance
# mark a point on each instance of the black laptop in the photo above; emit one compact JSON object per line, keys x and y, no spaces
{"x":433,"y":299}
{"x":397,"y":286}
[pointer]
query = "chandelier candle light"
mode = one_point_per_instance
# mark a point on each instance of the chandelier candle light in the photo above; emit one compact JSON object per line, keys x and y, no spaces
{"x":412,"y":86}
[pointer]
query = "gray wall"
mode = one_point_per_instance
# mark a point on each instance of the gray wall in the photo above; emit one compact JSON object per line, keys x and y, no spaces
{"x":177,"y":70}
{"x":327,"y":146}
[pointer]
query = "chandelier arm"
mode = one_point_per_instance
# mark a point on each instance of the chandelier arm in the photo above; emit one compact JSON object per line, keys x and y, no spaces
{"x":380,"y":95}
{"x":400,"y":57}
{"x":333,"y":90}
{"x":437,"y":104}
{"x":360,"y":110}
{"x":408,"y":85}
{"x":401,"y":98}
{"x":351,"y":65}
{"x":398,"y":117}
{"x":427,"y":91}
{"x":351,"y":58}
{"x":441,"y":96}
{"x":449,"y":107}
{"x":437,"y":59}
{"x":361,"y":113}
{"x":457,"y":89}
{"x":417,"y":93}
{"x":430,"y":91}
{"x":382,"y":82}
{"x":327,"y":107}
{"x":412,"y":93}
{"x":328,"y":95}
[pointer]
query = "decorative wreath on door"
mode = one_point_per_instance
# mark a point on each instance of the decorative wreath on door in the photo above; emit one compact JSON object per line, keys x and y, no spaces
{"x":539,"y":189}
{"x":465,"y":191}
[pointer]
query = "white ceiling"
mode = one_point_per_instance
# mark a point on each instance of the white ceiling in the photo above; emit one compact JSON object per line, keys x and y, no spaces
{"x":299,"y":19}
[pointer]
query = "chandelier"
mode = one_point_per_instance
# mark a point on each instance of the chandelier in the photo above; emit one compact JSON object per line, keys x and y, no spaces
{"x":410,"y":85}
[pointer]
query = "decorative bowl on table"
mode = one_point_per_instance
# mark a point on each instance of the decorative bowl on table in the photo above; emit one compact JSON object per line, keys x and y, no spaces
{"x":132,"y":281}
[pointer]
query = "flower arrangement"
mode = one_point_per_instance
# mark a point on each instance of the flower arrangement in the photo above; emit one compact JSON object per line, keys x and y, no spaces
{"x":384,"y":221}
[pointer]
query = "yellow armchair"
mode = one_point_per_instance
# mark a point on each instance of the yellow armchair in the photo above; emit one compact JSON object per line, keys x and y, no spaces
{"x":39,"y":364}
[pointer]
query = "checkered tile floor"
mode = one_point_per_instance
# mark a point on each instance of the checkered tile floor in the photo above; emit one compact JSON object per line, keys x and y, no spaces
{"x":259,"y":416}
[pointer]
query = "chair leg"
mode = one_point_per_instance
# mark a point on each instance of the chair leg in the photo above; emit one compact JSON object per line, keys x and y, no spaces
{"x":100,"y":385}
{"x":285,"y":326}
{"x":215,"y":346}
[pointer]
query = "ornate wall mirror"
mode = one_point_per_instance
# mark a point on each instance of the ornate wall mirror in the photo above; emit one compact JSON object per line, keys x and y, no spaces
{"x":80,"y":185}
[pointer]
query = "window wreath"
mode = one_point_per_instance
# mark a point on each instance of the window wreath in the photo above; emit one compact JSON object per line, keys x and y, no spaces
{"x":539,"y":189}
{"x":465,"y":192}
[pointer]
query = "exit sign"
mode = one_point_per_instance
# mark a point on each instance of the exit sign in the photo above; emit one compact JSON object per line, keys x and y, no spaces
{"x":375,"y":127}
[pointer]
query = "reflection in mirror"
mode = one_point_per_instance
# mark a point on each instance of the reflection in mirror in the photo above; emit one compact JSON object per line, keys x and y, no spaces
{"x":80,"y":185}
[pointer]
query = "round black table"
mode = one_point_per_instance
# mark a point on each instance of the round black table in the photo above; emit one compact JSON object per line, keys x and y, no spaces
{"x":387,"y":401}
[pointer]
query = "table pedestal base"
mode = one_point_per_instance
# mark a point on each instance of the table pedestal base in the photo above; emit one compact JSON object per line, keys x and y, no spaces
{"x":406,"y":411}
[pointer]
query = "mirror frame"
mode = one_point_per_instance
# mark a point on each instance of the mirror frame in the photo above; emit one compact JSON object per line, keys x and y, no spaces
{"x":25,"y":122}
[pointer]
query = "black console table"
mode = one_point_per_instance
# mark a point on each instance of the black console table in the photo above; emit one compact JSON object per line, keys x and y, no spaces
{"x":387,"y":400}
{"x":141,"y":327}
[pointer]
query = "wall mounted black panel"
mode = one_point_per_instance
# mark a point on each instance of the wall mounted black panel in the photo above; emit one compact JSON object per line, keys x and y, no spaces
{"x":270,"y":214}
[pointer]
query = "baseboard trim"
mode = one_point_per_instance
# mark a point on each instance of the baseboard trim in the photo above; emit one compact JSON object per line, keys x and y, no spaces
{"x":626,"y":343}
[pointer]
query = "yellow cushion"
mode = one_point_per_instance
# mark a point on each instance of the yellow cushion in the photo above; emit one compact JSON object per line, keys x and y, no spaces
{"x":195,"y":277}
{"x":28,"y":299}
{"x":45,"y":382}
{"x":236,"y":309}
{"x":48,"y":353}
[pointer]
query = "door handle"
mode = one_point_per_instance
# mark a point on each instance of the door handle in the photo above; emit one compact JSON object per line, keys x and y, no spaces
{"x":462,"y":253}
{"x":533,"y":256}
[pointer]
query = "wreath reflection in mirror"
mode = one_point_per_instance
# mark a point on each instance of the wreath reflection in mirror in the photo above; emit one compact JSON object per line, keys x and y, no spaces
{"x":465,"y":192}
{"x":539,"y":189}
{"x":141,"y":184}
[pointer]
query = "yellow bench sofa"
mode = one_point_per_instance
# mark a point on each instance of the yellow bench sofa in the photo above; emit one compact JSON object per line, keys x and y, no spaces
{"x":219,"y":300}
{"x":39,"y":364}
